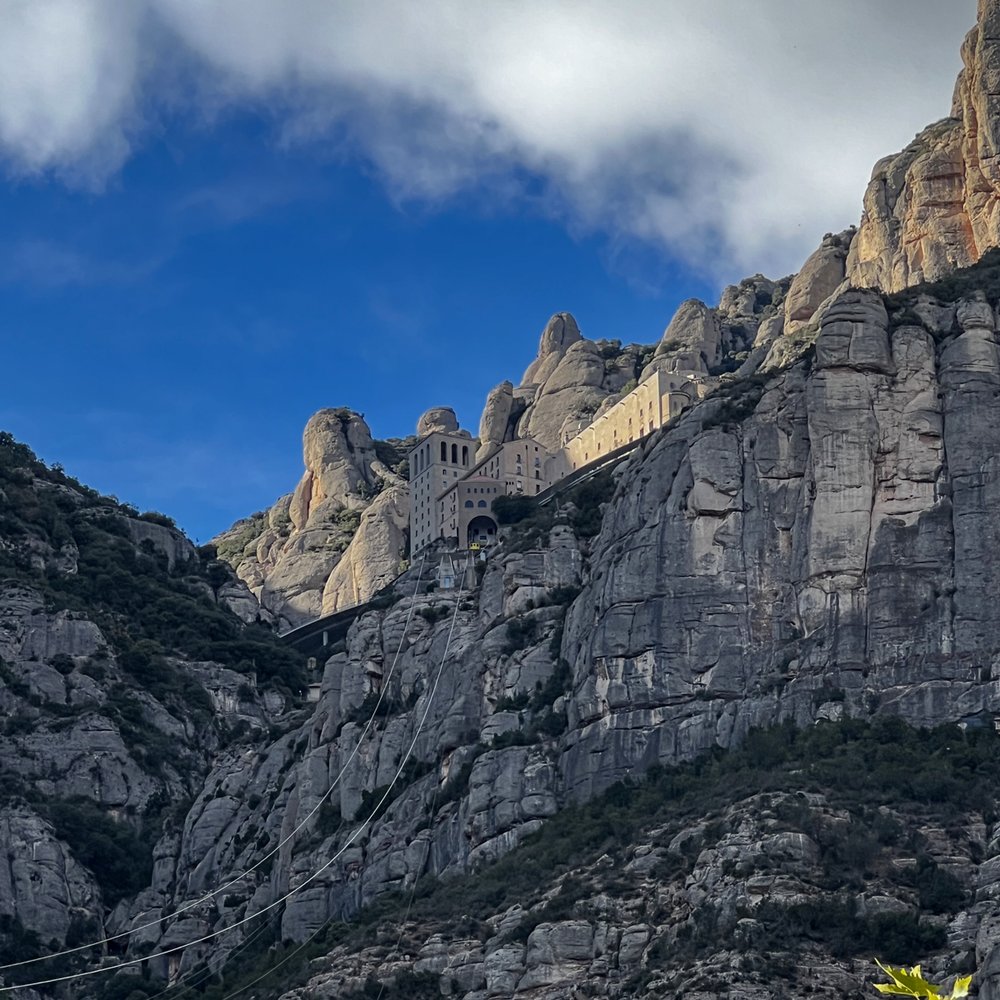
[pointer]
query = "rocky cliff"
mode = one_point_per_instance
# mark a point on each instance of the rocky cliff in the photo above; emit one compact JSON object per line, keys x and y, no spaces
{"x":573,"y":379}
{"x":340,"y":537}
{"x":127,"y":660}
{"x":934,"y":206}
{"x":802,"y":546}
{"x":659,"y":744}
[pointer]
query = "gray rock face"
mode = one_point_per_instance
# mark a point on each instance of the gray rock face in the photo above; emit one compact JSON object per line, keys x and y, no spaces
{"x":825,"y":539}
{"x":573,"y":380}
{"x":828,"y":540}
{"x":65,"y":739}
{"x":692,"y":341}
{"x":338,"y":451}
{"x":483,"y":801}
{"x":372,"y":559}
{"x":824,"y":547}
{"x":167,"y":541}
{"x":41,"y":883}
{"x":934,"y":206}
{"x":679,"y":905}
{"x":572,"y":389}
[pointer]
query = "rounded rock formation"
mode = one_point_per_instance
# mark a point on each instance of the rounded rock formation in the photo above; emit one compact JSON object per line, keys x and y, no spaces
{"x":560,"y":334}
{"x":437,"y":418}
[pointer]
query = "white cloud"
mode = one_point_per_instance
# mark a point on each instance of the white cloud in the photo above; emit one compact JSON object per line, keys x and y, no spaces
{"x":733,"y":134}
{"x":68,"y":83}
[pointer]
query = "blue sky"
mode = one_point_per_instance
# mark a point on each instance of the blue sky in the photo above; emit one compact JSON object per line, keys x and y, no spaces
{"x":173,"y":333}
{"x":220,"y":216}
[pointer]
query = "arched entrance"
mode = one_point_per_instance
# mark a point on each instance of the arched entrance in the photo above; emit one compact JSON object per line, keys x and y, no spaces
{"x":482,"y":531}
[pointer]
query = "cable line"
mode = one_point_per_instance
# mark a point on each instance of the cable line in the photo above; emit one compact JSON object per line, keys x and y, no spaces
{"x":305,"y":944}
{"x":207,"y":972}
{"x":315,"y":875}
{"x":274,"y":850}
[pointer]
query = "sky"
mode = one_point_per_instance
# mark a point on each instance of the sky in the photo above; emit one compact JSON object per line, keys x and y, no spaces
{"x":222,"y":215}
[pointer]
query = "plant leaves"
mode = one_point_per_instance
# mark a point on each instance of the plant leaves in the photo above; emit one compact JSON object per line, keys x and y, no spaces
{"x":911,"y":983}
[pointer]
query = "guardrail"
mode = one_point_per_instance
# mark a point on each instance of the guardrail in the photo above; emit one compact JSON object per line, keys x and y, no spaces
{"x":314,"y":636}
{"x":586,"y":472}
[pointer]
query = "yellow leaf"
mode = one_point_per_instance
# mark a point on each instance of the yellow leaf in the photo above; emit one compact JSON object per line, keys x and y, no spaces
{"x":907,"y":983}
{"x":961,"y":987}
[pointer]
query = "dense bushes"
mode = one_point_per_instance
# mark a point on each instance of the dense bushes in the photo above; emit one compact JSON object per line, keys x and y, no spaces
{"x":878,"y":772}
{"x":736,"y":401}
{"x":983,"y":276}
{"x":121,"y":859}
{"x":147,"y":610}
{"x":230,"y":547}
{"x":529,"y":524}
{"x":513,"y":509}
{"x":837,"y":924}
{"x":16,"y":943}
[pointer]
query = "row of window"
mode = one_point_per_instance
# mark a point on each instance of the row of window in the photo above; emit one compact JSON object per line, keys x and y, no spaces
{"x":422,"y":459}
{"x":482,"y":503}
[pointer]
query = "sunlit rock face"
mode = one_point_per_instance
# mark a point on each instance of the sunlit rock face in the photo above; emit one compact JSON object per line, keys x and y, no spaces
{"x":936,"y":205}
{"x":339,"y":537}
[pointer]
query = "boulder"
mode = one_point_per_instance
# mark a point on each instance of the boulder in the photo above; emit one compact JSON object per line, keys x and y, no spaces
{"x":437,"y":418}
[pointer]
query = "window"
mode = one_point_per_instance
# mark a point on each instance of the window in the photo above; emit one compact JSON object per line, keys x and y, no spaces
{"x":454,"y":454}
{"x":444,"y":452}
{"x":538,"y":475}
{"x":482,"y":503}
{"x":465,"y":454}
{"x":469,"y":503}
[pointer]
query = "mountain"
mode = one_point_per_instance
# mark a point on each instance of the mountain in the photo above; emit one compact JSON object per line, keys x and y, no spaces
{"x":721,"y":722}
{"x":934,"y":206}
{"x":128,"y":660}
{"x":340,"y":537}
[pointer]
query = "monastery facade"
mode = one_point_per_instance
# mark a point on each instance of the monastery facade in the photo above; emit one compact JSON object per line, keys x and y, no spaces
{"x":452,"y":494}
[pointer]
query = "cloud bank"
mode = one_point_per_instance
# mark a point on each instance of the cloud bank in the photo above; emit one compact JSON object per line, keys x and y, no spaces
{"x":731,"y":134}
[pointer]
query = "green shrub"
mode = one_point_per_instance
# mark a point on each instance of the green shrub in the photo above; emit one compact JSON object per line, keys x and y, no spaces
{"x":17,"y":944}
{"x":348,"y":520}
{"x":520,"y":634}
{"x":230,"y":548}
{"x":120,"y":858}
{"x":556,"y":685}
{"x":155,"y":517}
{"x":329,"y":819}
{"x":434,"y":613}
{"x":513,"y":703}
{"x":513,"y":509}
